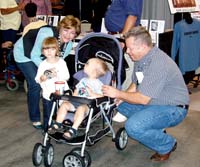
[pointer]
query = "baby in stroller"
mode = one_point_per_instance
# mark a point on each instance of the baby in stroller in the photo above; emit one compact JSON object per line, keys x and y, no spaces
{"x":89,"y":87}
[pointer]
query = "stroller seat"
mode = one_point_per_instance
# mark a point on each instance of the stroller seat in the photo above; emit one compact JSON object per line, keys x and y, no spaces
{"x":97,"y":106}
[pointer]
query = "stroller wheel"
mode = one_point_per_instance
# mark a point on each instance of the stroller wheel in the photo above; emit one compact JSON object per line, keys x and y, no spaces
{"x":73,"y":159}
{"x":87,"y":158}
{"x":12,"y":85}
{"x":121,"y":139}
{"x":48,"y":155}
{"x":37,"y":154}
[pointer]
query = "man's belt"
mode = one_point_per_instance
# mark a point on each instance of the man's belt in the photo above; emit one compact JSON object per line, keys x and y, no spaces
{"x":183,"y":106}
{"x":113,"y":33}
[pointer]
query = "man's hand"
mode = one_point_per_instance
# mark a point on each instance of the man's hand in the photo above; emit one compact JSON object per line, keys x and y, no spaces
{"x":110,"y":91}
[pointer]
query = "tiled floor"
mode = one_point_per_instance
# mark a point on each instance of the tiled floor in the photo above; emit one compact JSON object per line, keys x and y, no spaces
{"x":17,"y":138}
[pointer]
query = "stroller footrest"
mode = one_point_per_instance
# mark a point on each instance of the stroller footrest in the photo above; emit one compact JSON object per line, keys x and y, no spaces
{"x":58,"y":136}
{"x":94,"y":138}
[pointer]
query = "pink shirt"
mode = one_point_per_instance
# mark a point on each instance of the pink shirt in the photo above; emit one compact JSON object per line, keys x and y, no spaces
{"x":43,"y":8}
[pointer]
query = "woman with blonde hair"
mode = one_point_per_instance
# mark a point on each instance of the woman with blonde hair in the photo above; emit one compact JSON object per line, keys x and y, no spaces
{"x":27,"y":54}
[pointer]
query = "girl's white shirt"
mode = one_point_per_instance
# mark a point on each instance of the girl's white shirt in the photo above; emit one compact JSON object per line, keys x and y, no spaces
{"x":48,"y":86}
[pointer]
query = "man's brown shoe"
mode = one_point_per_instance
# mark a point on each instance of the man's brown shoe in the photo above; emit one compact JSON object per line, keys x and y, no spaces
{"x":163,"y":157}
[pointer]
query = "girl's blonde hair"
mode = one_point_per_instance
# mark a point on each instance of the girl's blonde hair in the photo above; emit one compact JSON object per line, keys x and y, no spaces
{"x":51,"y":42}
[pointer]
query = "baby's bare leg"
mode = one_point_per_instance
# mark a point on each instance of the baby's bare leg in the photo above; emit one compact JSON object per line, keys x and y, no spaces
{"x":80,"y":114}
{"x":62,"y":111}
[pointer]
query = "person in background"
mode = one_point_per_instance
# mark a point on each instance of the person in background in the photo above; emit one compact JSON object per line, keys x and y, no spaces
{"x":52,"y":69}
{"x":89,"y":87}
{"x":82,"y":10}
{"x":121,"y":16}
{"x":156,"y":99}
{"x":99,"y":9}
{"x":43,"y":8}
{"x":10,"y":20}
{"x":34,"y":23}
{"x":68,"y":28}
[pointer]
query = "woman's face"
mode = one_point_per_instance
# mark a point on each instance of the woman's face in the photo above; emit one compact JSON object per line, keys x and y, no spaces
{"x":67,"y":35}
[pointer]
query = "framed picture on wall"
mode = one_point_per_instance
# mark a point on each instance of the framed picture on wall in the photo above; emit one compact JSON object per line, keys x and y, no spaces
{"x":61,"y":17}
{"x":42,"y":17}
{"x":179,"y":6}
{"x":52,"y":20}
{"x":155,"y":28}
{"x":144,"y":23}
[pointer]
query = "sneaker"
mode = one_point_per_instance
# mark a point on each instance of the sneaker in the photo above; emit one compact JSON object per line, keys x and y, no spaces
{"x":37,"y":125}
{"x":119,"y":118}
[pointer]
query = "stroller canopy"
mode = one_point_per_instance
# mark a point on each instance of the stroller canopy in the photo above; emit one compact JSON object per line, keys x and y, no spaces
{"x":104,"y":46}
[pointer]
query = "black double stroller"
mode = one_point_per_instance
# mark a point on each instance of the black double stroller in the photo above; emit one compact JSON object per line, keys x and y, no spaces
{"x":107,"y":48}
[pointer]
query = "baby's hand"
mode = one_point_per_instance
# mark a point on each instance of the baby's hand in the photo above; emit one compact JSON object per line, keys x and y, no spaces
{"x":89,"y":90}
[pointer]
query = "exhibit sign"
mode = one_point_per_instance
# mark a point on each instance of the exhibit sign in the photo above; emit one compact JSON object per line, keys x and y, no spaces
{"x":180,"y":6}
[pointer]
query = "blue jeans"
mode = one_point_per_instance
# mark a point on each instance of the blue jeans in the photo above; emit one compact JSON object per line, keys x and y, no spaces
{"x":145,"y":124}
{"x":29,"y":69}
{"x":9,"y":35}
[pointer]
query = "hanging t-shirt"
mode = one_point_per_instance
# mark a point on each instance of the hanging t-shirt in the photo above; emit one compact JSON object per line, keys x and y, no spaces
{"x":185,"y":43}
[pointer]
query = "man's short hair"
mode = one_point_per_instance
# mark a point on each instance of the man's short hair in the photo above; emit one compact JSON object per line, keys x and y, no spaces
{"x":31,"y":9}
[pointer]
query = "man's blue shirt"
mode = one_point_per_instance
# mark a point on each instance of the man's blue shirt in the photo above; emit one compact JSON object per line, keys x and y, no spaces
{"x":118,"y":12}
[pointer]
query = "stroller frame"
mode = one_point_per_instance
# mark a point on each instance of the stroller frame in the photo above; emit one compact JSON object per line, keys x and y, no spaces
{"x":79,"y":156}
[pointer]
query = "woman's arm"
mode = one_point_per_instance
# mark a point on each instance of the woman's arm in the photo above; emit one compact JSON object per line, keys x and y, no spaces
{"x":37,"y":48}
{"x":5,"y":11}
